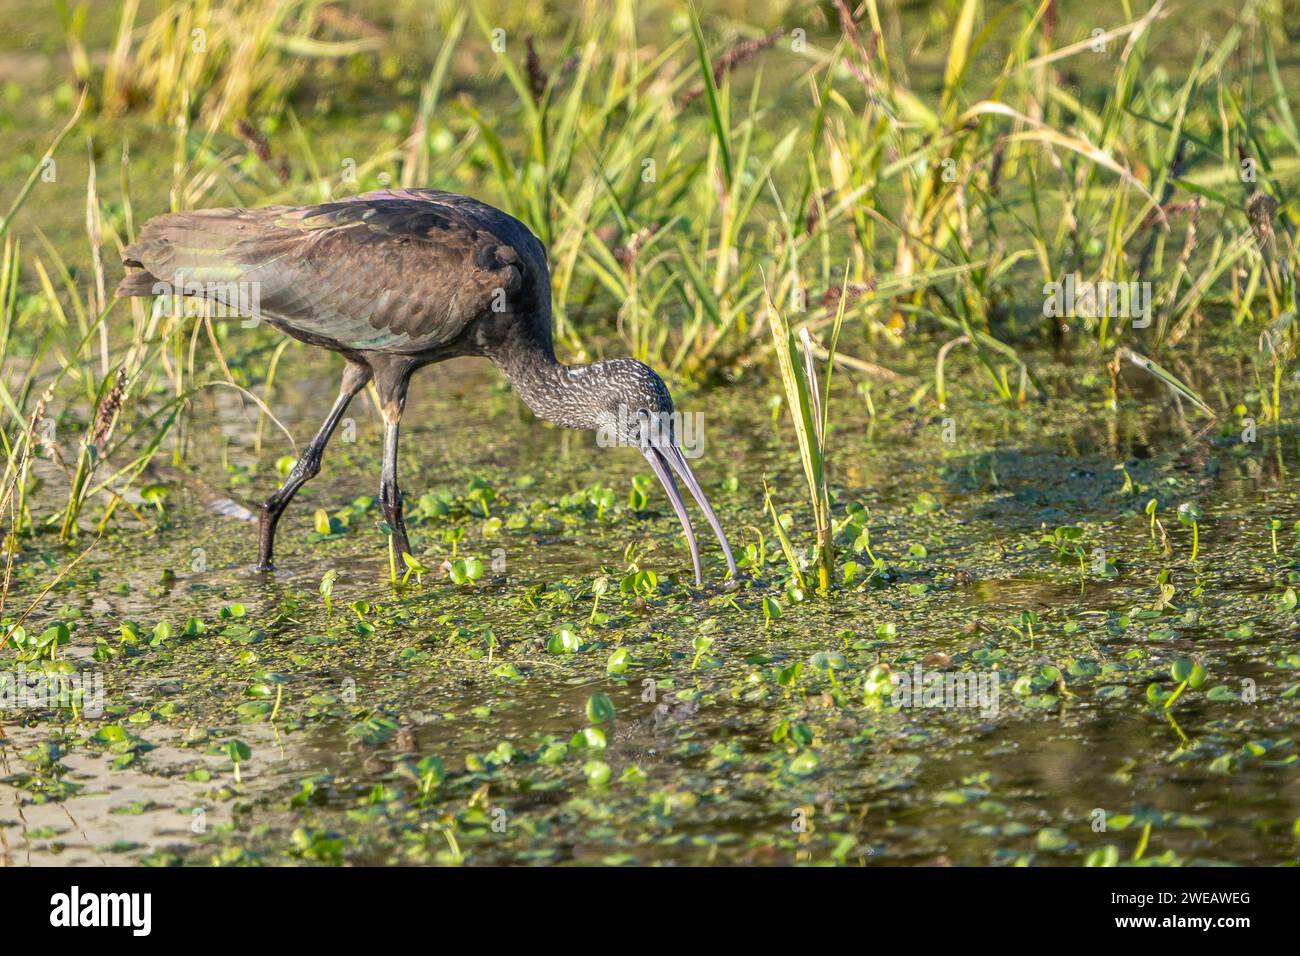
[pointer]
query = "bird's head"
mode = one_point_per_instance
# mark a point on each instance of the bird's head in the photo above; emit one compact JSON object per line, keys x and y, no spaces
{"x":632,"y":406}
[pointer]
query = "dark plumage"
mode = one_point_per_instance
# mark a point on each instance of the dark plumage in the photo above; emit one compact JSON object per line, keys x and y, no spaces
{"x":394,"y":281}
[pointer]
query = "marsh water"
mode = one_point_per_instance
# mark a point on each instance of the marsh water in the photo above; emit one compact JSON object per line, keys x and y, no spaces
{"x":517,"y":717}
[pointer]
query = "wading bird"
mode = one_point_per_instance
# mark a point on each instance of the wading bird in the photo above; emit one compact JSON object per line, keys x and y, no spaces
{"x":394,"y":281}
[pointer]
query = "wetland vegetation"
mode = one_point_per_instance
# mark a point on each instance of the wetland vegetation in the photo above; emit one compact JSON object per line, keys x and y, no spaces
{"x":837,"y":230}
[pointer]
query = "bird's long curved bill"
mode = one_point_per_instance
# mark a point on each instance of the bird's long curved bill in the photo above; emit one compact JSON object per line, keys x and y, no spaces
{"x":661,"y":459}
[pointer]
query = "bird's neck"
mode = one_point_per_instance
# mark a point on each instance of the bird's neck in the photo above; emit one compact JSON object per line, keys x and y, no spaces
{"x":551,"y":390}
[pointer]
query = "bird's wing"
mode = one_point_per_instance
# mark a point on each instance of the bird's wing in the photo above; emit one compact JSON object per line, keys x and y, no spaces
{"x":391,"y":271}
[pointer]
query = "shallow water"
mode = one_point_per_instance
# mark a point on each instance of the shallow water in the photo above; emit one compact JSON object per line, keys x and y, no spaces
{"x":712,"y":754}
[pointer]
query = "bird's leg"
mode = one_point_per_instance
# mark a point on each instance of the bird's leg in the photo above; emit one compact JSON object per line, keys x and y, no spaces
{"x":307,"y":467}
{"x":390,"y":496}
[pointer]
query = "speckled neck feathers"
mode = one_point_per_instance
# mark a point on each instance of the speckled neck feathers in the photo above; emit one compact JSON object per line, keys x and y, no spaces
{"x":577,"y":396}
{"x":552,"y":391}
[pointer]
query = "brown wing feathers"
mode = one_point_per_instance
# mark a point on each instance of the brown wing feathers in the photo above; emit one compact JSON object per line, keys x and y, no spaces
{"x":397,"y":271}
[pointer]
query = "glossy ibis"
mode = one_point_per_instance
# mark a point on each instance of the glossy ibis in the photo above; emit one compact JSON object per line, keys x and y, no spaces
{"x":394,"y":281}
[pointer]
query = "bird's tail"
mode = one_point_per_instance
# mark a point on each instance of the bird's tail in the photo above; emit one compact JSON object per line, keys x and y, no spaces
{"x":143,"y":283}
{"x":177,"y":242}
